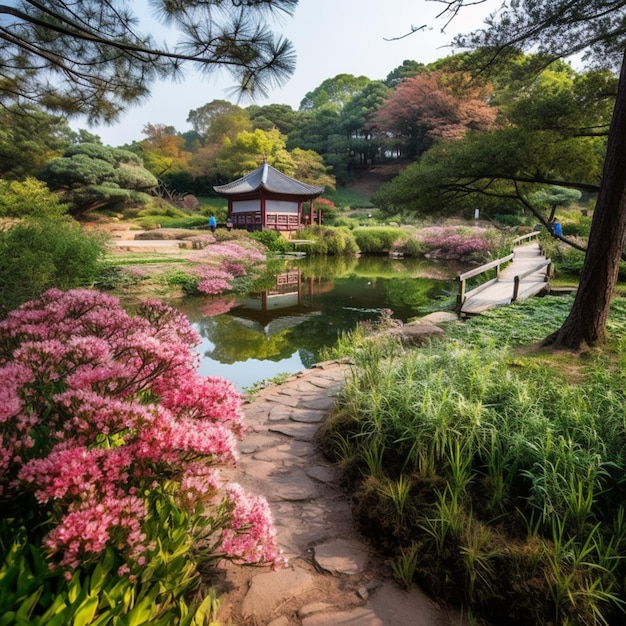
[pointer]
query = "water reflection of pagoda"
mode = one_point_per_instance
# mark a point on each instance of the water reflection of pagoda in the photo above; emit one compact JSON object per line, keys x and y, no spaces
{"x":285,"y":305}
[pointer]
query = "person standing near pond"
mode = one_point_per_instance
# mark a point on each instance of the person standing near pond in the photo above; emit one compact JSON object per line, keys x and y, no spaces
{"x":212,"y":223}
{"x":229,"y":224}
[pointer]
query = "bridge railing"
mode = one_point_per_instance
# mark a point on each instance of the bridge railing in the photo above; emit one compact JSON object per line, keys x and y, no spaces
{"x":462,"y":278}
{"x":533,"y":234}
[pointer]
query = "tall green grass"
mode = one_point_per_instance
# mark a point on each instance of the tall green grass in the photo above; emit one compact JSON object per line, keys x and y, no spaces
{"x":501,"y":473}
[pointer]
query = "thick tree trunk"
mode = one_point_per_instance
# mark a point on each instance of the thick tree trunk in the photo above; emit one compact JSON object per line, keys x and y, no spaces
{"x":586,"y":321}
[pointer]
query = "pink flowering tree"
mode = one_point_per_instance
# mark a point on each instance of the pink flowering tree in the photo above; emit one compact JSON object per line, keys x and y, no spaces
{"x":103,"y":417}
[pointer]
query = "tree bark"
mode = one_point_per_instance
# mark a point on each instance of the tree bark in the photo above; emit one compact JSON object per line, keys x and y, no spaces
{"x":585,"y":324}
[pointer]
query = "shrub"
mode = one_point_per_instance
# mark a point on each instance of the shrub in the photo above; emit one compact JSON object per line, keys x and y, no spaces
{"x":377,"y":239}
{"x":40,"y":254}
{"x":272,"y":240}
{"x":220,"y":267}
{"x":462,"y":243}
{"x":111,"y":441}
{"x":29,"y":198}
{"x":329,"y":240}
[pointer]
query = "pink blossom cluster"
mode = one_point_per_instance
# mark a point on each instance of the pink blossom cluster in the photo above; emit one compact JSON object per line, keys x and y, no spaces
{"x":217,"y":265}
{"x":100,"y":409}
{"x":458,"y":243}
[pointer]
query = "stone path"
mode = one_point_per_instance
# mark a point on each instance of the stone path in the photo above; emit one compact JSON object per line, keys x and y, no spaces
{"x":334,"y":576}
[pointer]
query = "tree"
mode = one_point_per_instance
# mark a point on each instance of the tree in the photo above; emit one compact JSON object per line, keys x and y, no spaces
{"x":269,"y":116}
{"x":249,"y":149}
{"x":429,"y":107}
{"x":29,"y":138}
{"x":87,"y":58}
{"x":93,"y":176}
{"x":217,"y":120}
{"x":335,"y":92}
{"x":362,"y":147}
{"x":559,"y":28}
{"x":550,"y":134}
{"x":163,"y":150}
{"x":408,"y":69}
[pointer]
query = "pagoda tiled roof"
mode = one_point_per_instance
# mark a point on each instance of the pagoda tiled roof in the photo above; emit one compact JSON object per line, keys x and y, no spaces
{"x":268,"y":178}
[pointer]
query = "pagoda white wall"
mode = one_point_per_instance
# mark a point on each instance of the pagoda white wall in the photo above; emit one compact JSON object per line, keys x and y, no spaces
{"x":281,"y":206}
{"x":243,"y":206}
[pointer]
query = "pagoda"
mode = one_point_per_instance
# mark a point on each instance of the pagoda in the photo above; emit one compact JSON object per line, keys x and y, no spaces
{"x":266,"y":199}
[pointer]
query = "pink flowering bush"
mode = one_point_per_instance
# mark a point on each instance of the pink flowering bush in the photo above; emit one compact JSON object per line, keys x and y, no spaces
{"x":218,"y":266}
{"x":458,"y":243}
{"x":103,"y":417}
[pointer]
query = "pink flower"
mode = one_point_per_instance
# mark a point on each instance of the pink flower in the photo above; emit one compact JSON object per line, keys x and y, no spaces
{"x":102,"y":414}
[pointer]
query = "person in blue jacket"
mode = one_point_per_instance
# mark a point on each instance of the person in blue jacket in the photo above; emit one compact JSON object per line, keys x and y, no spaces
{"x":556,"y":228}
{"x":212,"y":223}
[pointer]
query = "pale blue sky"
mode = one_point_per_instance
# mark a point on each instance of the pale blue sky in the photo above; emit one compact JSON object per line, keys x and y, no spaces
{"x":330,"y":37}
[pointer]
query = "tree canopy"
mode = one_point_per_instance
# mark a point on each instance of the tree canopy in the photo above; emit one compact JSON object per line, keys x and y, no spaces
{"x":558,"y":29}
{"x":93,"y":176}
{"x":90,"y":58}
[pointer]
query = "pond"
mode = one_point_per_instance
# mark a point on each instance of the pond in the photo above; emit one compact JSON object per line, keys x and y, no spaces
{"x":304,"y":308}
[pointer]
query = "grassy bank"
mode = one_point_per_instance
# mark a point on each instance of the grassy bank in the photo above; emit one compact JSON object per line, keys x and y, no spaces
{"x":490,"y":472}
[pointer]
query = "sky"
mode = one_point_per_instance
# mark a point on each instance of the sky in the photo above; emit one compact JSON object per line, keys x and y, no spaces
{"x":330,"y":37}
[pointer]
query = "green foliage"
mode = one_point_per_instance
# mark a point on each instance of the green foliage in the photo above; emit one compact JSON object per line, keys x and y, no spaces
{"x":159,"y":593}
{"x":347,"y":199}
{"x":94,"y":60}
{"x":92,"y":175}
{"x":272,"y":240}
{"x":29,"y":198}
{"x":28,"y":138}
{"x":376,"y":240}
{"x":329,"y":240}
{"x":41,"y":254}
{"x":514,"y":473}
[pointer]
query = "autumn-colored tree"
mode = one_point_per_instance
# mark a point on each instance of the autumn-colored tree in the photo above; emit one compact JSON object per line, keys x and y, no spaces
{"x":163,"y":150}
{"x":432,"y":106}
{"x":213,"y":123}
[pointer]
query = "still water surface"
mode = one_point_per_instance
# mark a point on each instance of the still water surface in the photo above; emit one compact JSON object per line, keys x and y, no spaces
{"x":306,"y":307}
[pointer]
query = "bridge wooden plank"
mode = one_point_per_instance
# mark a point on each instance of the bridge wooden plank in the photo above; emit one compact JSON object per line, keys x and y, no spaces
{"x":500,"y":292}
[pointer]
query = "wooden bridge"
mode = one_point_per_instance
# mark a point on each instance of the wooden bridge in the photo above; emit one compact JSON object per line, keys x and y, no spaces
{"x":526,"y":273}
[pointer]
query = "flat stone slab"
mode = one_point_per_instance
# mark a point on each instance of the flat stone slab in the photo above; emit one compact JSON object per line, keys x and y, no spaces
{"x":254,"y":442}
{"x":322,"y":473}
{"x":294,"y":486}
{"x":404,"y":608}
{"x":310,"y":416}
{"x":280,"y":412}
{"x":356,"y":617}
{"x":320,"y":403}
{"x":341,"y":556}
{"x":298,"y":430}
{"x":268,"y":591}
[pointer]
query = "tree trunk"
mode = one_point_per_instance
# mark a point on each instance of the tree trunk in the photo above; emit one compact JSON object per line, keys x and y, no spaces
{"x":586,"y":321}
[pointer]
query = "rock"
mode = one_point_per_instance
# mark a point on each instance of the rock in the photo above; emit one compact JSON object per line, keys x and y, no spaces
{"x":268,"y":591}
{"x":341,"y":556}
{"x":360,"y":616}
{"x":418,"y":334}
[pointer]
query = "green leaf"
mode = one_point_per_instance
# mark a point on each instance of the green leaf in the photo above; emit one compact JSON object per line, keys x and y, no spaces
{"x":85,"y":613}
